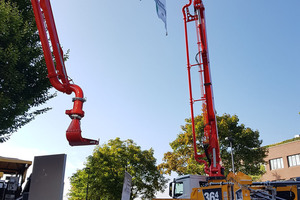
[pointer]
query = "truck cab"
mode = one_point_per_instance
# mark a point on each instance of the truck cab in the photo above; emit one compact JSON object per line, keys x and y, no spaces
{"x":181,"y":187}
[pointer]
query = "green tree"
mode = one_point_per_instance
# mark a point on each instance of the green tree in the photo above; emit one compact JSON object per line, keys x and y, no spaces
{"x":248,"y":153}
{"x":105,"y":172}
{"x":23,"y":74}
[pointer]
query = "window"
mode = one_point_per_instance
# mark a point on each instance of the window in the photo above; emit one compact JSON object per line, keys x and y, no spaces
{"x":178,"y":189}
{"x":276,"y":163}
{"x":294,"y":160}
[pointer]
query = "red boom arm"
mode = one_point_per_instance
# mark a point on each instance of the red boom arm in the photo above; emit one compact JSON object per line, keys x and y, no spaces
{"x":210,"y":140}
{"x":58,"y":74}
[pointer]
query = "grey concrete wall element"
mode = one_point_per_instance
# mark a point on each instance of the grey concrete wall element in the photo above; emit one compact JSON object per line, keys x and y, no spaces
{"x":47,"y":180}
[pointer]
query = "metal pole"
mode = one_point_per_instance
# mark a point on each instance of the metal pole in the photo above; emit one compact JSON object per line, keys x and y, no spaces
{"x":232,"y":160}
{"x":87,"y":184}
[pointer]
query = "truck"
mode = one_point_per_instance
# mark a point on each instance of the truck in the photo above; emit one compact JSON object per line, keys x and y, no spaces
{"x":235,"y":187}
{"x":214,"y":185}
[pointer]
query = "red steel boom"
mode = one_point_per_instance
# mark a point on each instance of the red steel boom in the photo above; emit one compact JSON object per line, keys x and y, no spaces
{"x":57,"y":74}
{"x":210,"y":140}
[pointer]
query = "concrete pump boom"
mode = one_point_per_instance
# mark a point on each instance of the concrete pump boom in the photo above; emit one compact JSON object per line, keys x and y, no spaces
{"x":57,"y":73}
{"x":210,"y":140}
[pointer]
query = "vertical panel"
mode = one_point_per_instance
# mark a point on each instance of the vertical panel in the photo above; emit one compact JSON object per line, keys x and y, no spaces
{"x":47,"y":180}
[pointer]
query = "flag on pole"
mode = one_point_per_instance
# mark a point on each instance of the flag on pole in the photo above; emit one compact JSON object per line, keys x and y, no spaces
{"x":162,"y":11}
{"x":126,"y":186}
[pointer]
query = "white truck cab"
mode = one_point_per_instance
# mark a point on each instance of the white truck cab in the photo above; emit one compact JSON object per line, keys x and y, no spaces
{"x":181,"y":187}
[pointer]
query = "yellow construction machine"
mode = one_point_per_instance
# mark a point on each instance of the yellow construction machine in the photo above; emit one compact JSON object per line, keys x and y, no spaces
{"x":12,"y":176}
{"x":214,"y":185}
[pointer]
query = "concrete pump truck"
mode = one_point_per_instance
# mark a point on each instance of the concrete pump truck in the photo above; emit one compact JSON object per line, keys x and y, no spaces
{"x":215,"y":186}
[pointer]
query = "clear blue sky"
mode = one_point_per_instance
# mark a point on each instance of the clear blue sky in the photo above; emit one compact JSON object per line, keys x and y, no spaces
{"x":135,"y":79}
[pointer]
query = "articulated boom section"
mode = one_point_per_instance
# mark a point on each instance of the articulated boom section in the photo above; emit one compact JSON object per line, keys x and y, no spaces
{"x":57,"y":73}
{"x":210,"y":140}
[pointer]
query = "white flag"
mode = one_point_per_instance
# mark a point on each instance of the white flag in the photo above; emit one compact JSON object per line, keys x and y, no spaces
{"x":161,"y":11}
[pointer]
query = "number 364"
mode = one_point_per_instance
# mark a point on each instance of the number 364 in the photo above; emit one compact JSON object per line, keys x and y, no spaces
{"x":211,"y":195}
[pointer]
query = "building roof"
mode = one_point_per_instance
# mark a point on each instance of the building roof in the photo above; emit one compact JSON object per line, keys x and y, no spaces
{"x":283,"y":142}
{"x":14,"y":166}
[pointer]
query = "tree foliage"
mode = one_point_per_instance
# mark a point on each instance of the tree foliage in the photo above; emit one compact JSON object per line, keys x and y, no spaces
{"x":105,"y":172}
{"x":248,"y":153}
{"x":23,"y":73}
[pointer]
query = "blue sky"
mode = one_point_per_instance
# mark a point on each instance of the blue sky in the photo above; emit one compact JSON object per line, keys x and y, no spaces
{"x":135,"y":79}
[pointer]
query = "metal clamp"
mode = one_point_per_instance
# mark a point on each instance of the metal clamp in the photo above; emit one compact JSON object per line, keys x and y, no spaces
{"x":75,"y":116}
{"x":78,"y":98}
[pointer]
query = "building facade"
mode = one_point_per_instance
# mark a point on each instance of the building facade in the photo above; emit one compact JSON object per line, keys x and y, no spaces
{"x":283,"y":162}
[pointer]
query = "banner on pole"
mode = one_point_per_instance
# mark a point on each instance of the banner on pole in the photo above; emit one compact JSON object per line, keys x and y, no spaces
{"x":162,"y":11}
{"x":126,"y":186}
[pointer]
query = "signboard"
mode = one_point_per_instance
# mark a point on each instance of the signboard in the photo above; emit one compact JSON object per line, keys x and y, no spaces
{"x":47,"y":179}
{"x":239,"y":194}
{"x":212,"y":194}
{"x":126,"y":186}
